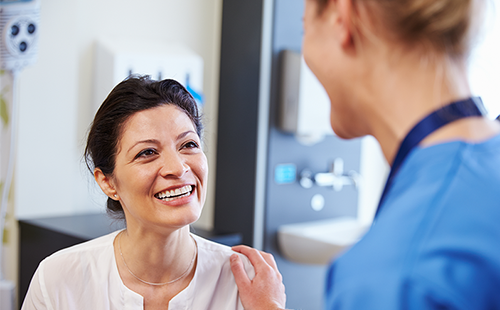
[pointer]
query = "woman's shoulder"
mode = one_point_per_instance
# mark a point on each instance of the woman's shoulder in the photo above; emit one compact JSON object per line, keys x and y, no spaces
{"x":91,"y":245}
{"x":214,"y":286}
{"x":64,"y":277}
{"x":219,"y":254}
{"x":80,"y":255}
{"x":211,"y":246}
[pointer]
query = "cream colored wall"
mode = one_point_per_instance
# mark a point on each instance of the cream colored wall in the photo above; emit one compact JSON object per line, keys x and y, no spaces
{"x":55,"y":97}
{"x":484,"y":64}
{"x":56,"y":93}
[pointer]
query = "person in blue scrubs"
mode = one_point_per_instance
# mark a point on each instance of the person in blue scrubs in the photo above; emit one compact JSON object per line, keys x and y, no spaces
{"x":397,"y":70}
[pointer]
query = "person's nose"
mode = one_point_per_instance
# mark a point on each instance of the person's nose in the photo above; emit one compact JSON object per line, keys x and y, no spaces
{"x":174,"y":165}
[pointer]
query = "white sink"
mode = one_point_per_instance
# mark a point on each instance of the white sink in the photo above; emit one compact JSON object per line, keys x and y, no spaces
{"x":319,"y":242}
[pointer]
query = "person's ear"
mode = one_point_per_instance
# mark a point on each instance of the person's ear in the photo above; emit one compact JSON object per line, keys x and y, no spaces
{"x":341,"y":14}
{"x":346,"y":10}
{"x":106,"y":184}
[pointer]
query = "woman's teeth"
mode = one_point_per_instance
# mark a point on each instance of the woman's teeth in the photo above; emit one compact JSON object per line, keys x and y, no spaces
{"x":175,"y":193}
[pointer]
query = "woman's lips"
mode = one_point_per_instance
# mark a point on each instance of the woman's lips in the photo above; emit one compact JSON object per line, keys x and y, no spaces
{"x":177,"y":193}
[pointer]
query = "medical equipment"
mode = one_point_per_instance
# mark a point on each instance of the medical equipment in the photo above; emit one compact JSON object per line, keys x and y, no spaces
{"x":19,"y":30}
{"x":304,"y":106}
{"x":19,"y":22}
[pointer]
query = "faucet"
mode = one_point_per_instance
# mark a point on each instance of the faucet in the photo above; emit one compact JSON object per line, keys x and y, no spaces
{"x":336,"y":178}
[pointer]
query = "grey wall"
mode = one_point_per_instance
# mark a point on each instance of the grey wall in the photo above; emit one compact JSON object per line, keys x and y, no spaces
{"x":237,"y":120}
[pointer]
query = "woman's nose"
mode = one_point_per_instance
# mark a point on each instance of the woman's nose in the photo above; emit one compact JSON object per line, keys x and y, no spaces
{"x":174,"y":165}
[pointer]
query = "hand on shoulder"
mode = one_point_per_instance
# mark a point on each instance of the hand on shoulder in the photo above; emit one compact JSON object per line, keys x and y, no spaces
{"x":266,"y":290}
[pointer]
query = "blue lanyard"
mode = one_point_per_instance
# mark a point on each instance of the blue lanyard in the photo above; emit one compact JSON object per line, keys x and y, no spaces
{"x":432,"y":122}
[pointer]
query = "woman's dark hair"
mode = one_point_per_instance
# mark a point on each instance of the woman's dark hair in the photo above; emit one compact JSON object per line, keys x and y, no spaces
{"x":134,"y":94}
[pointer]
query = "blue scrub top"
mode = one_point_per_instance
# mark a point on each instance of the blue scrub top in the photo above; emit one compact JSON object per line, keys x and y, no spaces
{"x":436,"y":242}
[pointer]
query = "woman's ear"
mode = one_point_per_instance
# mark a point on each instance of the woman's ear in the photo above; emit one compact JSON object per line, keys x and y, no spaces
{"x":345,"y":12}
{"x":105,"y":183}
{"x":339,"y":13}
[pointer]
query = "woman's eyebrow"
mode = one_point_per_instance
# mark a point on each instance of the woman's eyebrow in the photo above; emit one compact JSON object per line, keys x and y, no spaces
{"x":182,"y":135}
{"x":154,"y":141}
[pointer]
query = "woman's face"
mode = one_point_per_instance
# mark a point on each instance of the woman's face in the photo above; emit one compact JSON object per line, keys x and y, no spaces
{"x":320,"y":54}
{"x":161,"y":170}
{"x":327,"y":56}
{"x":312,"y":40}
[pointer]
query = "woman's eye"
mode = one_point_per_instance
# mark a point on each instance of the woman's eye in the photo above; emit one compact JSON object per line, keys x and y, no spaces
{"x":190,"y":145}
{"x":146,"y":153}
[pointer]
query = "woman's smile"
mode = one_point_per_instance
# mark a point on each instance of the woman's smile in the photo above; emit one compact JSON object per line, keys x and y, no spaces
{"x":177,"y":196}
{"x":161,"y":170}
{"x":169,"y":195}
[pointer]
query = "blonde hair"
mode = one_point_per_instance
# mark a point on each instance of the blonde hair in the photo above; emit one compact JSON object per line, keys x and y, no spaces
{"x":444,"y":26}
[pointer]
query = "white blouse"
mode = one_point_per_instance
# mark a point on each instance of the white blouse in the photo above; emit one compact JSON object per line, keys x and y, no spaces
{"x":85,"y":276}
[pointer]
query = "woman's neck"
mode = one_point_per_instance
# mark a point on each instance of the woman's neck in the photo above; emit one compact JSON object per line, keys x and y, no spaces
{"x":411,"y":88}
{"x":155,"y":257}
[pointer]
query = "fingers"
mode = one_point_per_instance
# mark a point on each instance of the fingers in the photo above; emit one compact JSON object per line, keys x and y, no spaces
{"x":269,"y":258}
{"x":257,"y":258}
{"x":243,"y":249}
{"x":253,"y":255}
{"x":240,"y":275}
{"x":266,"y":289}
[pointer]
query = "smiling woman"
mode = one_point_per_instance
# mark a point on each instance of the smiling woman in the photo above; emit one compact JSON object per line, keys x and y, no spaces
{"x":144,"y":149}
{"x":159,"y":155}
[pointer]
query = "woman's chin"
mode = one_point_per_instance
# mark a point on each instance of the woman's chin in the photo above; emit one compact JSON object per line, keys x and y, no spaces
{"x":341,"y":133}
{"x":345,"y":131}
{"x":176,"y":220}
{"x":189,"y":219}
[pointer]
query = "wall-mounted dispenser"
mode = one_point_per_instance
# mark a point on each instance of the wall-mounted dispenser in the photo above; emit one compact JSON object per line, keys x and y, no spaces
{"x":304,"y":103}
{"x":117,"y":59}
{"x":19,"y":26}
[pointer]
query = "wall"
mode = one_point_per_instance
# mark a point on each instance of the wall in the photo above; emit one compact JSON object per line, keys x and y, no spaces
{"x":484,"y":64}
{"x":56,"y":93}
{"x":55,"y":97}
